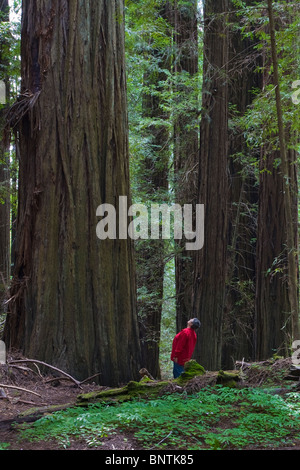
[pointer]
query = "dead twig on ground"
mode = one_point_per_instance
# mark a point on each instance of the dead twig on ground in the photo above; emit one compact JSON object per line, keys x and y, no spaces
{"x":21,"y":389}
{"x":66,"y":376}
{"x":34,"y":361}
{"x":24,"y":369}
{"x":89,"y":378}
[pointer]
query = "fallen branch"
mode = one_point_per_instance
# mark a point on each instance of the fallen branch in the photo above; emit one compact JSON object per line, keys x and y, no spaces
{"x":24,"y":369}
{"x":26,"y":402}
{"x":54,"y":379}
{"x":33,"y":361}
{"x":19,"y":388}
{"x":243,"y":364}
{"x":89,"y":378}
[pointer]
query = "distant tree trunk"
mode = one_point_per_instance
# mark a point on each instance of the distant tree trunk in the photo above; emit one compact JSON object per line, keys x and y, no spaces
{"x":273,"y":309}
{"x":277,"y":317}
{"x":4,"y":178}
{"x":151,"y":253}
{"x":238,"y":330}
{"x":186,"y":147}
{"x":73,"y":296}
{"x":211,"y":261}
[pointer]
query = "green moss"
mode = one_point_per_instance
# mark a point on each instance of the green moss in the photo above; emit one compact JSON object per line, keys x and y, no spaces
{"x":144,"y":388}
{"x":40,"y":411}
{"x":113,"y":394}
{"x":146,"y":379}
{"x":228,"y":379}
{"x":191,"y":369}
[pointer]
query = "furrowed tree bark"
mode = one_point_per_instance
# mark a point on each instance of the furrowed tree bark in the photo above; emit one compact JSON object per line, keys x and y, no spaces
{"x":4,"y":176}
{"x":273,"y":317}
{"x":186,"y":147}
{"x":238,"y":329}
{"x":277,"y":314}
{"x":73,"y":296}
{"x":211,"y":262}
{"x":150,"y":254}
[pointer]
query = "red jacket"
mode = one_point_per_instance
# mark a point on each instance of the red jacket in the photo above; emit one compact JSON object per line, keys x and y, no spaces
{"x":183,"y":346}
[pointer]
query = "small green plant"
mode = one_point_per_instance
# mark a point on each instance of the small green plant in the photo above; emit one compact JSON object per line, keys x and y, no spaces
{"x":4,"y":446}
{"x":215,"y":418}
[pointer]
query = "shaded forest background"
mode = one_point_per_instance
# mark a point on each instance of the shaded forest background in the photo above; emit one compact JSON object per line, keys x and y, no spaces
{"x":213,"y":119}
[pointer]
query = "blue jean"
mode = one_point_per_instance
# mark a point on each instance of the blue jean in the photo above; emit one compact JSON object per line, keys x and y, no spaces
{"x":177,"y":370}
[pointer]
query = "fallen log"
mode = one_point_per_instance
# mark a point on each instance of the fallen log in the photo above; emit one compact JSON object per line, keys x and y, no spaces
{"x":145,"y":388}
{"x":228,"y":379}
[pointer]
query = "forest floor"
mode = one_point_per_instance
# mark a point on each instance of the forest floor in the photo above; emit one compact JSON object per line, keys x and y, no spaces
{"x":35,"y":395}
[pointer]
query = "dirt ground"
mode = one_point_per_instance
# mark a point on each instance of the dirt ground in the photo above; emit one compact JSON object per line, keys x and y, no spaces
{"x":40,"y":392}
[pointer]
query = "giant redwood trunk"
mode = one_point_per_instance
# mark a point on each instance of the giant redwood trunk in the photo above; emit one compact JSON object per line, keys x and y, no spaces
{"x":238,"y":330}
{"x":277,"y":303}
{"x":4,"y":175}
{"x":186,"y":146}
{"x":151,"y":253}
{"x":73,"y":295}
{"x":274,"y":314}
{"x":210,"y":266}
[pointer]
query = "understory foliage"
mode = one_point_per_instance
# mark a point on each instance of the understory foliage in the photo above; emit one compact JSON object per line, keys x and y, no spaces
{"x":215,"y":418}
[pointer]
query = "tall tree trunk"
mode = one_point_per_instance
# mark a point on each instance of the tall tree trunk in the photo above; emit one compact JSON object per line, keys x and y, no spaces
{"x":4,"y":175}
{"x":277,"y":320}
{"x":210,"y":265}
{"x":151,"y":253}
{"x":273,"y":323}
{"x":186,"y":146}
{"x":73,"y":296}
{"x":238,"y":330}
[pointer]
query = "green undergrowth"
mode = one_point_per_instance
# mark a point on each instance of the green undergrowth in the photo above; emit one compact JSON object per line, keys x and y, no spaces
{"x":4,"y":446}
{"x":214,"y":418}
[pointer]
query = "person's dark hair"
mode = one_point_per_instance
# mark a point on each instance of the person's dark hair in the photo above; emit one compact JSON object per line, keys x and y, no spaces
{"x":196,"y":324}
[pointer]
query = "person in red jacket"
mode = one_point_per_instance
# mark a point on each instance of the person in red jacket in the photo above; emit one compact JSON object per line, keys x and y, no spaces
{"x":183,"y":346}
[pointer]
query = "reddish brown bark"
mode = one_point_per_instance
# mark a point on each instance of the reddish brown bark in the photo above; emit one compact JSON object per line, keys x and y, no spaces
{"x":211,"y":261}
{"x":277,"y":301}
{"x":4,"y":175}
{"x":186,"y":147}
{"x":73,"y":295}
{"x":244,"y":78}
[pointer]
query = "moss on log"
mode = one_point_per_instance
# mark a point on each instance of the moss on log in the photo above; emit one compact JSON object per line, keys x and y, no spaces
{"x":145,"y":388}
{"x":228,"y":379}
{"x":142,"y":389}
{"x":191,"y":370}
